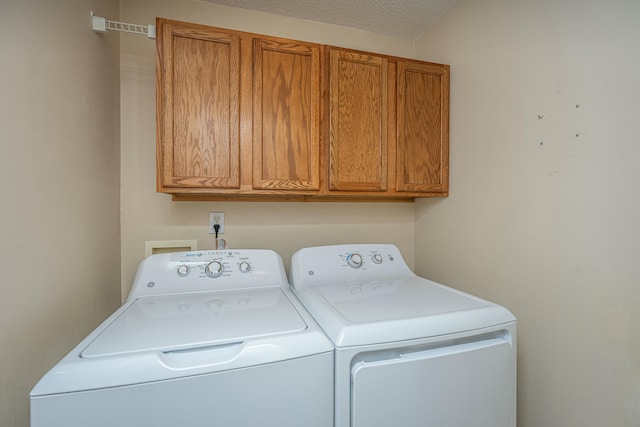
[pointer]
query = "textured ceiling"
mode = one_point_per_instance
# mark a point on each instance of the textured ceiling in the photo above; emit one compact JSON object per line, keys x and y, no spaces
{"x":406,"y":19}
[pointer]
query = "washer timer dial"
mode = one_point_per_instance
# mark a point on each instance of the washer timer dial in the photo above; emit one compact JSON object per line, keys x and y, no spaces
{"x":214,"y":269}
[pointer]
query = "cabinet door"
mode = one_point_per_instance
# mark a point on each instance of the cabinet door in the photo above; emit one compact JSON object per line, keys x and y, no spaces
{"x":423,"y":127}
{"x":198,"y":111}
{"x":286,"y":115}
{"x":358,"y":121}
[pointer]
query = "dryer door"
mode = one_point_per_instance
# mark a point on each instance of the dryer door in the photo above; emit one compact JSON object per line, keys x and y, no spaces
{"x":467,"y":384}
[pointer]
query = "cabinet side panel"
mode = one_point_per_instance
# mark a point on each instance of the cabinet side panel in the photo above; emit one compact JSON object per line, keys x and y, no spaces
{"x":422,"y":128}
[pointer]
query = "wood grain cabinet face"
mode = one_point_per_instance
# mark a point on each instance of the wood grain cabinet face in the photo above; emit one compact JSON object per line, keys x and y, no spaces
{"x":286,"y":115}
{"x":423,"y":127}
{"x":241,"y":115}
{"x":198,"y":111}
{"x":389,"y":125}
{"x":358,"y":121}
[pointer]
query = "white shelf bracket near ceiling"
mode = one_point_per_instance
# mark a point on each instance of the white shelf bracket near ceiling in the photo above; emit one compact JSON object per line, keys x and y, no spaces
{"x":101,"y":25}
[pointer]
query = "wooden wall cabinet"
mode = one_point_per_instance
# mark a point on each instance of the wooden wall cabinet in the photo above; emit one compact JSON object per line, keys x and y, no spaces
{"x":422,"y":145}
{"x":198,"y":95}
{"x":357,"y":121}
{"x":242,"y":116}
{"x":388,"y":126}
{"x":238,"y":115}
{"x":286,"y":115}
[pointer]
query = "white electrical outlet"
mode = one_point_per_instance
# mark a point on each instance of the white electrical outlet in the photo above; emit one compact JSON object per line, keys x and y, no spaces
{"x":216,"y":218}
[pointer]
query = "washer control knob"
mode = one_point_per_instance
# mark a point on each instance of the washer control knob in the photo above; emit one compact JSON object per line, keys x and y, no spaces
{"x":245,"y":267}
{"x":354,"y":260}
{"x":214,"y":269}
{"x":183,"y":270}
{"x":377,"y":258}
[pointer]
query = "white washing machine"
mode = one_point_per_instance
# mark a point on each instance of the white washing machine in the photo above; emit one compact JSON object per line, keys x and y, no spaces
{"x":204,"y":338}
{"x":408,"y":351}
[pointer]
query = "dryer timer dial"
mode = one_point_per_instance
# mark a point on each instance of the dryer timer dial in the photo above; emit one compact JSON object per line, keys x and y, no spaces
{"x":354,"y":260}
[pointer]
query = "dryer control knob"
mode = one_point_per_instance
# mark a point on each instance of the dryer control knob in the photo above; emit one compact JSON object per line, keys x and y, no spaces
{"x":354,"y":260}
{"x":214,"y":269}
{"x":377,"y":258}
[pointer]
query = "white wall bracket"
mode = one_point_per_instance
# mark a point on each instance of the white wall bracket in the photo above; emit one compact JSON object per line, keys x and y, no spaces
{"x":101,"y":25}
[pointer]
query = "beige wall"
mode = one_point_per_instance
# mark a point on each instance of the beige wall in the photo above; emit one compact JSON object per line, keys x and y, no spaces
{"x":544,"y":213}
{"x":542,"y":217}
{"x":283,"y":227}
{"x":59,"y":186}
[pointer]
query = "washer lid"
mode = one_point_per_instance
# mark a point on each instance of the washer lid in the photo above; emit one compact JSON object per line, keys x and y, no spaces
{"x":173,"y":322}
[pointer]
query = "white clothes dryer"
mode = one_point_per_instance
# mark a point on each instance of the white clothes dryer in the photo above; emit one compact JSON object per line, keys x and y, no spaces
{"x":408,"y":351}
{"x":204,"y":338}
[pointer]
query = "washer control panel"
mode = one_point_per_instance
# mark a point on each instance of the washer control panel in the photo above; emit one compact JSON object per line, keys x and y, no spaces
{"x":201,"y":271}
{"x":215,"y":264}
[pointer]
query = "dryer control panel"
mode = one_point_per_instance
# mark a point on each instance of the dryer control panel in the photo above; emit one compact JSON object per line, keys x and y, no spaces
{"x":202,"y":271}
{"x":326,"y":265}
